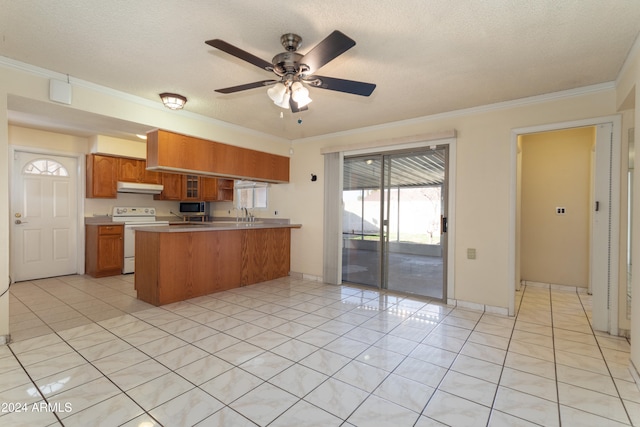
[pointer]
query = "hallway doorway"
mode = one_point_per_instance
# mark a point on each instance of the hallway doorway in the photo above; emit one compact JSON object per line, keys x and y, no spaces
{"x":394,"y":221}
{"x":594,"y":254}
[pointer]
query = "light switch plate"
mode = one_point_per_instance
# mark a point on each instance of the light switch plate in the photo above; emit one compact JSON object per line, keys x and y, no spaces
{"x":471,"y":253}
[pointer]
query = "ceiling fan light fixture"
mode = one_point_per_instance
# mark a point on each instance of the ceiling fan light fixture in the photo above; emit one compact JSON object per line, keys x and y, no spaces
{"x":276,"y":92}
{"x":173,"y":100}
{"x":279,"y":95}
{"x":300,"y":94}
{"x":284,"y":102}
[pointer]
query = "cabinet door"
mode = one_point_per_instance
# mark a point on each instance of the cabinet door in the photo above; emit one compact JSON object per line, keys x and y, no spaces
{"x":151,"y":177}
{"x":110,"y":252}
{"x":172,"y":190}
{"x":102,"y":175}
{"x":190,"y":187}
{"x":104,"y":251}
{"x":130,"y":170}
{"x":209,"y":189}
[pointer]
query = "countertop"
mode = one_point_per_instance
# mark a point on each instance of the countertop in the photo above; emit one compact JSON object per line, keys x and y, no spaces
{"x":214,"y":226}
{"x":178,"y":226}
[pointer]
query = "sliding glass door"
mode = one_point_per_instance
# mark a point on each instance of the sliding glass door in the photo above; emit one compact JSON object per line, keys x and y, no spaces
{"x":361,"y":220}
{"x":394,"y":221}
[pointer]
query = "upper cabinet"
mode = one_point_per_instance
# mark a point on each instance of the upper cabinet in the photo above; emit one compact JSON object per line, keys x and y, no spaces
{"x":172,"y":152}
{"x":135,"y":170}
{"x":225,"y":190}
{"x":193,"y":187}
{"x":172,"y":183}
{"x":102,"y":176}
{"x":216,"y":189}
{"x":104,"y":172}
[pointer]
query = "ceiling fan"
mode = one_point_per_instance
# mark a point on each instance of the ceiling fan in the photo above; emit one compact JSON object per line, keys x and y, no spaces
{"x":293,"y":69}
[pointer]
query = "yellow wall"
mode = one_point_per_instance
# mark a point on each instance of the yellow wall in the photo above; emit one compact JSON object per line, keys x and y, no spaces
{"x":556,"y":172}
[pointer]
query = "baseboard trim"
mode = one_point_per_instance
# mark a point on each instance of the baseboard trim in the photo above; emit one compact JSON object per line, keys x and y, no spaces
{"x":490,"y":309}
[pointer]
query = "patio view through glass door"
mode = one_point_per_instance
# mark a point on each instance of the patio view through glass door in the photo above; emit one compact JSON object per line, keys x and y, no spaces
{"x":394,"y":221}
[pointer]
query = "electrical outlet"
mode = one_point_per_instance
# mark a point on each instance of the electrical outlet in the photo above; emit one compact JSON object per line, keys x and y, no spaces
{"x":561,"y":210}
{"x":471,"y":253}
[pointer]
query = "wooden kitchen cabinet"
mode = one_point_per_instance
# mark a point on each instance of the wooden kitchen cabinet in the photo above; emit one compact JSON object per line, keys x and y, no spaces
{"x":197,"y":188}
{"x":265,"y":254}
{"x":225,"y":190}
{"x":180,"y":187}
{"x":209,"y":189}
{"x":130,"y":170}
{"x":135,"y":170}
{"x":172,"y":183}
{"x":191,"y":187}
{"x":104,"y":172}
{"x":171,"y":151}
{"x":175,"y":266}
{"x":102,"y":176}
{"x":104,"y":250}
{"x":216,"y":189}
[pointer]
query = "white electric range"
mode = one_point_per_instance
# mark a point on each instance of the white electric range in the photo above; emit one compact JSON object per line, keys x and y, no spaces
{"x":134,"y":217}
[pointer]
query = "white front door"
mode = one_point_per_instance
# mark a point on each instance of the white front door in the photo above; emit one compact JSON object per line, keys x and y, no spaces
{"x":44,"y":211}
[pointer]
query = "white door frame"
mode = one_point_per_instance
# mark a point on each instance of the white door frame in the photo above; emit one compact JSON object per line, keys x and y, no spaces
{"x":513,"y":279}
{"x":80,"y":172}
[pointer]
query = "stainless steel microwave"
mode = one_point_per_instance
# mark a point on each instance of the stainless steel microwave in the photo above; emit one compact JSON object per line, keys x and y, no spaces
{"x":193,"y":208}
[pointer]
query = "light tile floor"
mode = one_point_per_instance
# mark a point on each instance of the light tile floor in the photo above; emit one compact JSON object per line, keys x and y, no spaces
{"x":298,"y":353}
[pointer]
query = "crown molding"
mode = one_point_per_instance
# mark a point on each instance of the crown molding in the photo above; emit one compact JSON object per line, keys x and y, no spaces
{"x":538,"y":99}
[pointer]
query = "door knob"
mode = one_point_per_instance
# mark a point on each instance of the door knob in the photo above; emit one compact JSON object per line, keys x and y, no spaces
{"x":19,"y":222}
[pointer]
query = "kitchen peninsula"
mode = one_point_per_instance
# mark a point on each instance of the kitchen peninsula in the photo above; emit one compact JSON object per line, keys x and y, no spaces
{"x":177,"y":262}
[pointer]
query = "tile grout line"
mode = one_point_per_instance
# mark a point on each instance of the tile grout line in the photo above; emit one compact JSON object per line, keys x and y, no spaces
{"x":506,"y":354}
{"x":605,"y":361}
{"x":555,"y":359}
{"x":55,"y":414}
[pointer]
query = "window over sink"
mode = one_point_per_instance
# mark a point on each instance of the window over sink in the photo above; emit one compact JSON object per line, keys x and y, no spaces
{"x":251,"y":194}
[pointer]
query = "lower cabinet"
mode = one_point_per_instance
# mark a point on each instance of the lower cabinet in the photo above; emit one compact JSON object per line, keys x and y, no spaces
{"x":265,"y":254}
{"x":104,"y":250}
{"x":175,"y":266}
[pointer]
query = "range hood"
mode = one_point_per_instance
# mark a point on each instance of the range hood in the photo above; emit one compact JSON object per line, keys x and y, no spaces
{"x":139,"y":187}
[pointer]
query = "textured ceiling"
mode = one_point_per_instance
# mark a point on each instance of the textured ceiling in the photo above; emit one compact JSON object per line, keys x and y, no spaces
{"x":426,"y":57}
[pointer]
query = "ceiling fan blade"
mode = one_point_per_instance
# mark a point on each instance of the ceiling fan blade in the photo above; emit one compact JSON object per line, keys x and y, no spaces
{"x":246,"y":86}
{"x":334,"y":45}
{"x":341,"y":85}
{"x":239,"y":53}
{"x":294,"y":106}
